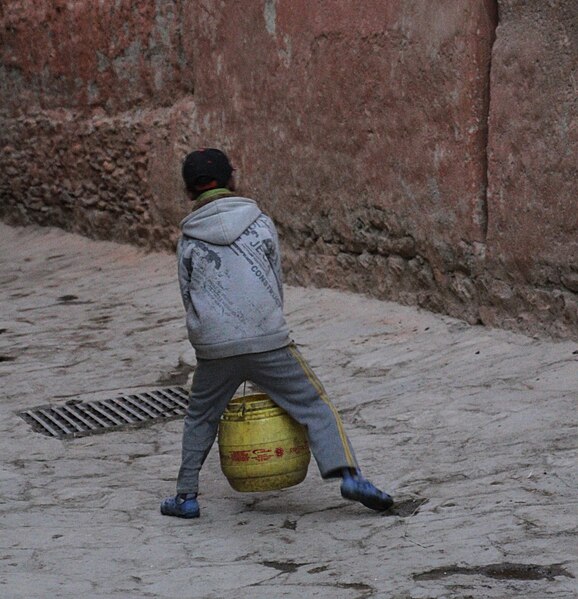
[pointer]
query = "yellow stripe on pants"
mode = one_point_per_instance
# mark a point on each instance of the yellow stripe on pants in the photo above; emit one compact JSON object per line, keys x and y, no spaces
{"x":321,"y":392}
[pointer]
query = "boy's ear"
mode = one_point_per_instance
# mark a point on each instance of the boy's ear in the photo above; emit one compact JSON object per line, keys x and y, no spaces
{"x":189,"y":194}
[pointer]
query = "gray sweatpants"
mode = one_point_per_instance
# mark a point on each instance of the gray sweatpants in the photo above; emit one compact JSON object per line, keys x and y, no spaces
{"x":287,"y":378}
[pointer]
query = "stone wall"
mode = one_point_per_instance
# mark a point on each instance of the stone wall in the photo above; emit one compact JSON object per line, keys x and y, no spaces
{"x":531,"y":268}
{"x":414,"y":150}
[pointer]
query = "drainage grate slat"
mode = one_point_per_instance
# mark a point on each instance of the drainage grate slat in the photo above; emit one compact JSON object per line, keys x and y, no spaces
{"x":78,"y":418}
{"x":139,"y":406}
{"x":162,"y":401}
{"x":156,"y":405}
{"x":182,"y":400}
{"x":106,"y":413}
{"x":180,"y":392}
{"x":92,"y":411}
{"x":41,"y":421}
{"x":109,"y":403}
{"x":78,"y":414}
{"x":47,"y":413}
{"x":62,"y":413}
{"x":128,"y":408}
{"x":174,"y":403}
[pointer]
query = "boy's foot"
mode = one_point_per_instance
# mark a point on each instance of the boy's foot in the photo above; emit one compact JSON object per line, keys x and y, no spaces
{"x":180,"y":507}
{"x":360,"y":489}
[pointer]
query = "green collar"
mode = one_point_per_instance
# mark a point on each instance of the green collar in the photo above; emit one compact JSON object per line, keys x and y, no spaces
{"x":213,"y":194}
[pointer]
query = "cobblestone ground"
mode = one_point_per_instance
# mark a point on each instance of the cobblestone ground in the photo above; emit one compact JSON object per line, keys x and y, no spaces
{"x":473,"y":430}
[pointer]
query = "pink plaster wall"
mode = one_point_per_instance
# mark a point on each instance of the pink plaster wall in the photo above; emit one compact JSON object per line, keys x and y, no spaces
{"x":532,"y":238}
{"x":417,"y":151}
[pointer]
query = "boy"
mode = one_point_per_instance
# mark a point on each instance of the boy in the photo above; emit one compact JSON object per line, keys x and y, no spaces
{"x":230,"y":278}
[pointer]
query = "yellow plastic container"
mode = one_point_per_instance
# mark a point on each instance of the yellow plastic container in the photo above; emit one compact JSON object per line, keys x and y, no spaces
{"x":261,"y":447}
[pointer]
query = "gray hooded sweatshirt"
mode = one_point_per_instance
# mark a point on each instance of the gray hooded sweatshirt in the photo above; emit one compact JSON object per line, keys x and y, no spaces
{"x":230,"y":280}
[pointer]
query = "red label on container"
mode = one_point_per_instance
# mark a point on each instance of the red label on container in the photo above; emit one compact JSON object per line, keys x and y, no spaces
{"x":239,"y":456}
{"x":262,"y":454}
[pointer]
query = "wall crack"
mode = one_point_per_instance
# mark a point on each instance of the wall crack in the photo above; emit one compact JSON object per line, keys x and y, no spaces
{"x":493,"y":14}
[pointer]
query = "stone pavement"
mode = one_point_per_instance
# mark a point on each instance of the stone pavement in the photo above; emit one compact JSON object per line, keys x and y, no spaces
{"x":475,"y":431}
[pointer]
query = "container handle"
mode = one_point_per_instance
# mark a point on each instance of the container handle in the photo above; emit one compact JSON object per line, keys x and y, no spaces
{"x":244,"y":405}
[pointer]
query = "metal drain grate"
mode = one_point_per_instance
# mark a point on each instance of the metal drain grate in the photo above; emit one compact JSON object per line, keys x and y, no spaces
{"x":76,"y":419}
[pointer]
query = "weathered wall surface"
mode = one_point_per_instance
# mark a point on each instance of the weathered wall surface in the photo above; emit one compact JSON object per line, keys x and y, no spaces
{"x":418,"y":151}
{"x":89,"y":91}
{"x":531,"y":271}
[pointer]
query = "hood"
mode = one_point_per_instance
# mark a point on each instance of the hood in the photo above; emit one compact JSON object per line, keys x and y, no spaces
{"x":222,"y":221}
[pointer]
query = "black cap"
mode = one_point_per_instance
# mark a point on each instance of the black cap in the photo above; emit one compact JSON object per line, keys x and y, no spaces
{"x":205,"y":169}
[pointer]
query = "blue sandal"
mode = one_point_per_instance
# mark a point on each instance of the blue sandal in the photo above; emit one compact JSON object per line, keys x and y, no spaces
{"x":180,"y":507}
{"x":357,"y":488}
